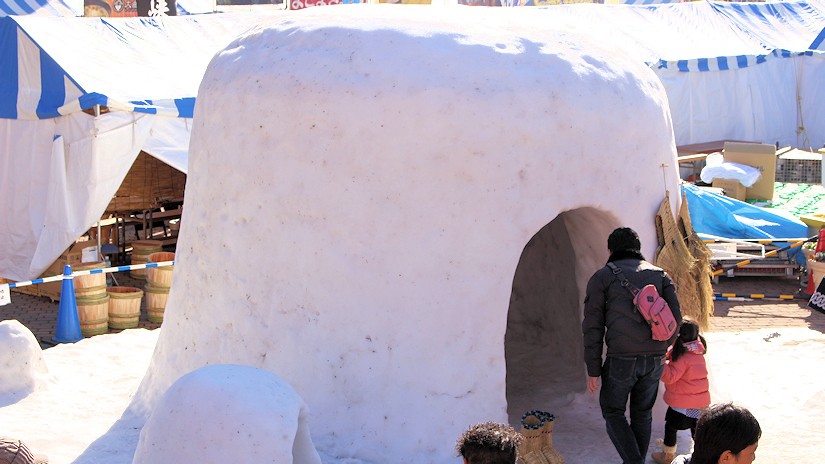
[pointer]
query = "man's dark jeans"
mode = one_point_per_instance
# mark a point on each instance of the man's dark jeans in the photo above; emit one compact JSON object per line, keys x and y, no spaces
{"x":638,"y":378}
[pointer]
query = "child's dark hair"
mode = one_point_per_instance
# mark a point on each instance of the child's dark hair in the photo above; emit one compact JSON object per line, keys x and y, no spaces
{"x":688,"y":332}
{"x":724,"y":427}
{"x":489,"y":443}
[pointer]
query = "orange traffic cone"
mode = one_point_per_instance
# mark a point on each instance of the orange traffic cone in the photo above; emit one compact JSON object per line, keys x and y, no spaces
{"x":820,"y":241}
{"x":810,"y":289}
{"x":820,"y":247}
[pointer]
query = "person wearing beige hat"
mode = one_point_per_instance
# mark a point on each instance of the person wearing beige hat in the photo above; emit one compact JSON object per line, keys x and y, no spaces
{"x":13,"y":451}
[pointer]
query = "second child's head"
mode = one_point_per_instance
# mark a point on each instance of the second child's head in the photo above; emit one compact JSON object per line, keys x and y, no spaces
{"x":688,"y":332}
{"x":726,"y":434}
{"x":489,"y":443}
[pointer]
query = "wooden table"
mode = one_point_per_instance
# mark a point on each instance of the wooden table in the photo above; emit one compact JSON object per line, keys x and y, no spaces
{"x":149,"y":217}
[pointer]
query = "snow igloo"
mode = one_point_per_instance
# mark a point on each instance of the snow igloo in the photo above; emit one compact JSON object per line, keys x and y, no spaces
{"x":396,"y":209}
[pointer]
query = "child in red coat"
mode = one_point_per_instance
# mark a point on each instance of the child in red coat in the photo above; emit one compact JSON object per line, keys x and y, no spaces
{"x":686,"y":387}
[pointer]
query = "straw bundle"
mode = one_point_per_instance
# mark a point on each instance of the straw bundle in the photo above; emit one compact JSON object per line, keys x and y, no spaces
{"x":702,"y":272}
{"x":673,"y":256}
{"x":537,"y":446}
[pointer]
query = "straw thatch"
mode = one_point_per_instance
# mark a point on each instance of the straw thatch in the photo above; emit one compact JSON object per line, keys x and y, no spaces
{"x":702,"y":272}
{"x":673,"y":256}
{"x":148,"y":184}
{"x":537,"y":446}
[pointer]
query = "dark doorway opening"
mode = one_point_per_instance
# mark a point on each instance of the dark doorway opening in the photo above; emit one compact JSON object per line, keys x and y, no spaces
{"x":543,"y":342}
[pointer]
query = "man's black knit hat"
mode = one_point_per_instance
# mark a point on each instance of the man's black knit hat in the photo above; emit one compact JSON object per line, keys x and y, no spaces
{"x":623,"y":238}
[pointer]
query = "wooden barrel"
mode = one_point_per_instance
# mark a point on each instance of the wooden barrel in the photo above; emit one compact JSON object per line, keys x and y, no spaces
{"x":90,"y":292}
{"x":156,"y":302}
{"x":93,"y":313}
{"x":89,"y":285}
{"x":124,"y":307}
{"x":160,"y":276}
{"x":141,"y":249}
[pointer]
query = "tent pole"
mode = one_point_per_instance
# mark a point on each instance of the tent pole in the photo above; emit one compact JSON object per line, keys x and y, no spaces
{"x":99,"y":250}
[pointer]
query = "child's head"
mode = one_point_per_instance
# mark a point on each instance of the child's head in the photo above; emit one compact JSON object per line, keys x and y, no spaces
{"x":726,"y":433}
{"x":688,"y":331}
{"x":489,"y":443}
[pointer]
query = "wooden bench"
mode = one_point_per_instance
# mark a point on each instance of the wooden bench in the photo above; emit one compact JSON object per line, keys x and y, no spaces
{"x":150,"y":219}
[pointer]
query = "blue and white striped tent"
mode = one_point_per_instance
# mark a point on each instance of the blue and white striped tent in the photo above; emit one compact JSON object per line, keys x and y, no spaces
{"x":53,"y":66}
{"x":768,"y":88}
{"x":779,"y":30}
{"x":64,"y":67}
{"x":60,"y":164}
{"x":740,"y":71}
{"x":819,"y":42}
{"x":41,"y":7}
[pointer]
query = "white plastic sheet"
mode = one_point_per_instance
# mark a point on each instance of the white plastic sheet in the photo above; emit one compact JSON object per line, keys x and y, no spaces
{"x":717,"y":168}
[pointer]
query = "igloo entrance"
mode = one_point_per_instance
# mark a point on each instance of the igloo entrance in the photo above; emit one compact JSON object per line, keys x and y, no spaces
{"x":543,"y":342}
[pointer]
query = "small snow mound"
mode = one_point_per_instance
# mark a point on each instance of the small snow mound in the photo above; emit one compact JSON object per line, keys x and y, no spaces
{"x":228,"y":413}
{"x":21,"y":359}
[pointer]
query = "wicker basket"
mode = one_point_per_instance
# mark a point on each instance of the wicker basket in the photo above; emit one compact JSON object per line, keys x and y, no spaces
{"x":537,"y":447}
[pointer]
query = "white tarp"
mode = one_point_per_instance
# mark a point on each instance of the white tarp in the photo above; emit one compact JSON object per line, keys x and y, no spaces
{"x":756,"y":103}
{"x":62,"y":175}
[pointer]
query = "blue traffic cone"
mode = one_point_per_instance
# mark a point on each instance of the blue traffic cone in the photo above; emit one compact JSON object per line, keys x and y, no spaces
{"x":68,"y":322}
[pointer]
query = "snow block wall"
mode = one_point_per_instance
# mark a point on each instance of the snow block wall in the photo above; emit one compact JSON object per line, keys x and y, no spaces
{"x":362,"y":183}
{"x":227,"y":413}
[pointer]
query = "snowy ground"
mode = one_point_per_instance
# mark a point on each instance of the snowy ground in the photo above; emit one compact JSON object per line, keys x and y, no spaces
{"x":76,"y":413}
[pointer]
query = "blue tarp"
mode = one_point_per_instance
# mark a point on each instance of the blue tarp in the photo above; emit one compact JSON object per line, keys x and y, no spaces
{"x":721,"y":216}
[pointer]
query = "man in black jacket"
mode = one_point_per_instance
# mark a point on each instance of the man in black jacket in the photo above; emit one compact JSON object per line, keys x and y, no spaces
{"x":633,"y":365}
